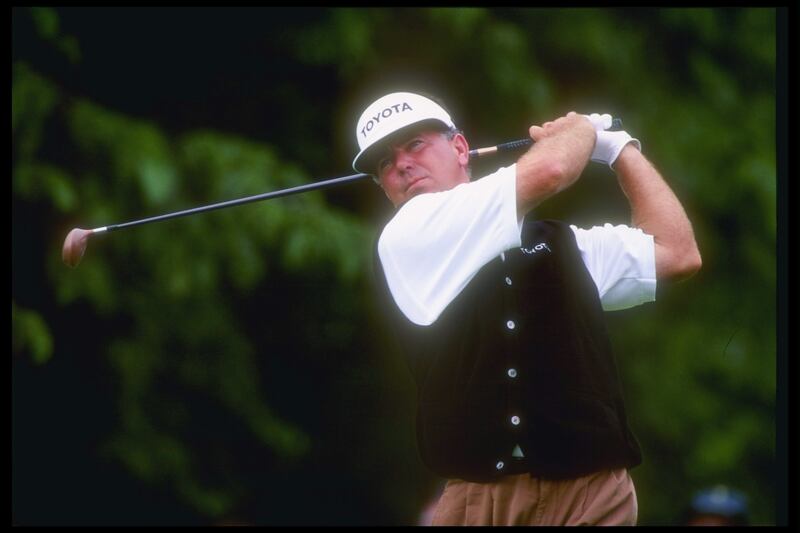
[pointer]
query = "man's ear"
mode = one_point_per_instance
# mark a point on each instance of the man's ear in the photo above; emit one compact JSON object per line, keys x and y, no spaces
{"x":461,"y":147}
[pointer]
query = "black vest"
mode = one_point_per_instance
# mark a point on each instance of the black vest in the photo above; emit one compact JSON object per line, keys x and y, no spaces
{"x":520,"y":356}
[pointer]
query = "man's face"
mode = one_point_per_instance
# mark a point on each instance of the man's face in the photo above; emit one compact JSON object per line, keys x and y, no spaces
{"x":419,"y":162}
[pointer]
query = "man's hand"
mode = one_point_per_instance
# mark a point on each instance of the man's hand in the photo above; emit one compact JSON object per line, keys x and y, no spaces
{"x":609,"y":143}
{"x":600,"y":122}
{"x":572,"y":122}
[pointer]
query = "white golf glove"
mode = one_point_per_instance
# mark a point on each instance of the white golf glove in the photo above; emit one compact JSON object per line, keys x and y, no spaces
{"x":609,"y":143}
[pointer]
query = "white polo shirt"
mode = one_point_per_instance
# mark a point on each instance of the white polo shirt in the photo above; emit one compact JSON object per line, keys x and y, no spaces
{"x":437,"y":242}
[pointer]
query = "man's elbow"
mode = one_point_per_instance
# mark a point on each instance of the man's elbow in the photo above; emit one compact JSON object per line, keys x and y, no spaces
{"x":685,"y":265}
{"x":692,"y":263}
{"x":677,"y":262}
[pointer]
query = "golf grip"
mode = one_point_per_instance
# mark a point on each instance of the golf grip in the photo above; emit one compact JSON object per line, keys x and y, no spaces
{"x":616,"y":125}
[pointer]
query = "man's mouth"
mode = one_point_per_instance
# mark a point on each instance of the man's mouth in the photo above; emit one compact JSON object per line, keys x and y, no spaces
{"x":414,"y":181}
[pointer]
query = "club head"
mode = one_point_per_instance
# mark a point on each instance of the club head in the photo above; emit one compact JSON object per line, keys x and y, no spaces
{"x":74,"y":246}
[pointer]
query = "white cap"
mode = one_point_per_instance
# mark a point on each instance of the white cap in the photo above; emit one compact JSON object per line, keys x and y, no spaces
{"x":389,"y":114}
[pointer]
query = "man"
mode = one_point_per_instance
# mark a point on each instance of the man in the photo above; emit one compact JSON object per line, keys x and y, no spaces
{"x":519,"y":401}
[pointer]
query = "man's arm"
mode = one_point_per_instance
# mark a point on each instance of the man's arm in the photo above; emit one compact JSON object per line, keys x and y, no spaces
{"x":560,"y":153}
{"x":658,"y":212}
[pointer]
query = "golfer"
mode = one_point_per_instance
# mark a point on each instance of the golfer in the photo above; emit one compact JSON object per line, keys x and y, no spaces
{"x":520,"y":406}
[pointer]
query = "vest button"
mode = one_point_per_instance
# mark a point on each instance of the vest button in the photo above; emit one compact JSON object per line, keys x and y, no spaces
{"x":510,"y":324}
{"x":500,"y":465}
{"x":512,"y":372}
{"x":515,"y":420}
{"x":508,"y":280}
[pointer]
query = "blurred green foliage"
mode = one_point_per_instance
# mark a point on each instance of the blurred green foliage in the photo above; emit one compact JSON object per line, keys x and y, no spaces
{"x":30,"y":334}
{"x":239,"y":351}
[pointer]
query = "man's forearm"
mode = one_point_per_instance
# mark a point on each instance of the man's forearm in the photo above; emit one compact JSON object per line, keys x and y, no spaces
{"x":657,"y":211}
{"x":554,"y":162}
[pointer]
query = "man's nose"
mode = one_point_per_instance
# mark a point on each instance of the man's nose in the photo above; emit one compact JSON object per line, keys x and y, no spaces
{"x":404,"y":161}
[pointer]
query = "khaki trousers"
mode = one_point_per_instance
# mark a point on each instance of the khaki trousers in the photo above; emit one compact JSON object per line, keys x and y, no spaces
{"x":603,"y":498}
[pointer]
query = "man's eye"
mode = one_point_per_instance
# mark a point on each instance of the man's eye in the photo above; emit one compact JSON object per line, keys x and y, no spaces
{"x":382,"y":164}
{"x":415,"y":143}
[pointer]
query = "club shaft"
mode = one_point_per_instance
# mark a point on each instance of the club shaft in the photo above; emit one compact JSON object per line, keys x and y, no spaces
{"x":239,"y":201}
{"x":480,"y":152}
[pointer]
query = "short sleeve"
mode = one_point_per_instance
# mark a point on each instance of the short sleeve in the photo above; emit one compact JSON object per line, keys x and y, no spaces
{"x":621,"y":261}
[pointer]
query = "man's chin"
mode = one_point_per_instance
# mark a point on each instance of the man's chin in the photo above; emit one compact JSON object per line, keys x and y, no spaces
{"x":419,"y":187}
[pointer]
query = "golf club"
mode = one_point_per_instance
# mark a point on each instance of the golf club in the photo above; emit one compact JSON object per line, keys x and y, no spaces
{"x":77,"y":239}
